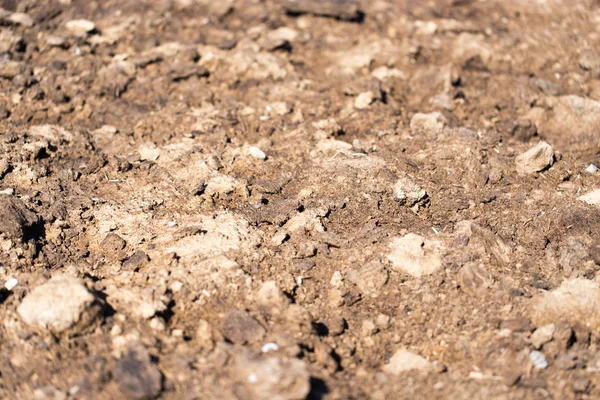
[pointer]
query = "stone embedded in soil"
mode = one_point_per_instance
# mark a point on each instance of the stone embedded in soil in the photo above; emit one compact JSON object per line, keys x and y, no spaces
{"x":113,"y":245}
{"x":573,"y":116}
{"x":135,"y":261}
{"x":257,"y":153}
{"x":342,"y":9}
{"x":576,"y":302}
{"x":10,"y":69}
{"x":63,"y":304}
{"x":137,"y":377}
{"x":271,"y":378}
{"x":592,"y":198}
{"x":415,"y":255}
{"x":383,"y":73}
{"x":240,"y":327}
{"x":204,"y":335}
{"x":370,"y":278}
{"x":404,"y":360}
{"x":473,"y":278}
{"x":270,"y":295}
{"x":21,"y":19}
{"x":572,"y":256}
{"x":364,"y":100}
{"x":407,"y":192}
{"x":536,"y":159}
{"x":16,"y":218}
{"x":542,"y":335}
{"x":433,"y":122}
{"x":80,"y":27}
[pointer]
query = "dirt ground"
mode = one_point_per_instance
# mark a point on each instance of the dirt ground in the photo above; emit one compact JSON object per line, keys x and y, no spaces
{"x":299,"y":199}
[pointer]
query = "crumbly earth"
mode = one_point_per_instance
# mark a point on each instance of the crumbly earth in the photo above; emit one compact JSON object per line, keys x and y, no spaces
{"x":267,"y":203}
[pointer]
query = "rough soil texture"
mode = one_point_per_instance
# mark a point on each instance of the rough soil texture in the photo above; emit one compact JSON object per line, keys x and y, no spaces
{"x":262,"y":199}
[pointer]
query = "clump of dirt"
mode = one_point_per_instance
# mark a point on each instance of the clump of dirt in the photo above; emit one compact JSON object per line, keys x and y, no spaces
{"x":295,"y":199}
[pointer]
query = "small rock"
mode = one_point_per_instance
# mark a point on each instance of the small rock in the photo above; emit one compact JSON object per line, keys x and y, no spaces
{"x":10,"y":69}
{"x":547,"y":87}
{"x":523,"y":129}
{"x":270,"y":295}
{"x":56,"y":41}
{"x":21,"y":19}
{"x":403,"y":360}
{"x":135,"y":261}
{"x":337,"y":280}
{"x":240,"y":328}
{"x":16,"y":219}
{"x":538,"y":360}
{"x":343,"y":9}
{"x":80,"y":27}
{"x":63,"y":304}
{"x":113,"y":243}
{"x":589,"y":60}
{"x":473,"y":277}
{"x":269,"y":378}
{"x":592,"y":198}
{"x":4,"y":167}
{"x":536,"y":159}
{"x":591,"y":169}
{"x":137,"y":376}
{"x":368,"y":328}
{"x":267,"y":347}
{"x":383,"y":73}
{"x":408,"y":192}
{"x":204,"y":335}
{"x":364,"y":100}
{"x":542,"y":335}
{"x":572,"y":256}
{"x":336,"y":325}
{"x":281,"y":108}
{"x":257,"y":153}
{"x":576,"y":302}
{"x":414,"y":255}
{"x":370,"y":278}
{"x":433,"y":122}
{"x":11,"y":283}
{"x":383,"y":321}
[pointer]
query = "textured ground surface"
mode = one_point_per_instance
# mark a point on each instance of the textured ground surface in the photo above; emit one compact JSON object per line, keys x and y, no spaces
{"x":223,"y":199}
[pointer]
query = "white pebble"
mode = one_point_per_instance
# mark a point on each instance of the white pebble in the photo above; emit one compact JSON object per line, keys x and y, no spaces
{"x":257,"y":153}
{"x":538,"y":360}
{"x":269,"y":347}
{"x":172,"y":224}
{"x":11,"y":283}
{"x":591,"y":169}
{"x":264,"y":118}
{"x":252,"y":378}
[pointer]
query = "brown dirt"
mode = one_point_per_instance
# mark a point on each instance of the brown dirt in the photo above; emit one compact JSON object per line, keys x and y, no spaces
{"x":373,"y":226}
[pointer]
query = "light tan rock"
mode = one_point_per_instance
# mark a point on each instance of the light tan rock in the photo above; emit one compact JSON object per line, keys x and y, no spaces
{"x":404,"y":360}
{"x":538,"y":158}
{"x":63,"y":304}
{"x":415,"y":255}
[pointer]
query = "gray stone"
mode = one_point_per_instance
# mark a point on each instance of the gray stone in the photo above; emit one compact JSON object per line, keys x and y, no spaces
{"x":137,"y":377}
{"x":240,"y":327}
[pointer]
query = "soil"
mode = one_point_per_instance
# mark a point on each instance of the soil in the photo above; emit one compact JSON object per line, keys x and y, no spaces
{"x":283,"y":199}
